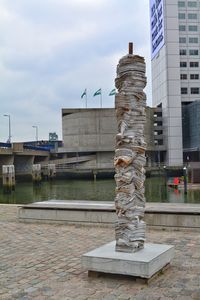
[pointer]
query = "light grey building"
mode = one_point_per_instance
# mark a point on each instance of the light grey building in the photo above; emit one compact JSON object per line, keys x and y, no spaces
{"x":89,"y":138}
{"x":175,"y":31}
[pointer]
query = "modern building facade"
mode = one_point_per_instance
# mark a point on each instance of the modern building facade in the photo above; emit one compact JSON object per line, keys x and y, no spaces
{"x":175,"y":32}
{"x":191,"y":131}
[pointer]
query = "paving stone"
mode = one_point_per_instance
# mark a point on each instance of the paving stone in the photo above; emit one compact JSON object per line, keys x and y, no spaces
{"x":30,"y":290}
{"x":48,"y":265}
{"x":19,"y":295}
{"x":124,"y":297}
{"x":81,"y":297}
{"x":196,"y":294}
{"x":109,"y":297}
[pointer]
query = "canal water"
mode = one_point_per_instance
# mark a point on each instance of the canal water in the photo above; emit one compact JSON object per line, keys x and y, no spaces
{"x":99,"y":190}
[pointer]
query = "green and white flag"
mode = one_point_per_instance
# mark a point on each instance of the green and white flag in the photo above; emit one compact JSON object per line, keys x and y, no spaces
{"x":98,"y":92}
{"x":113,"y":92}
{"x":84,"y":93}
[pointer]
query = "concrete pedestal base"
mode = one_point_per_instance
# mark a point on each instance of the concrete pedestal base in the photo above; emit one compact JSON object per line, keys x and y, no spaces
{"x":144,"y":263}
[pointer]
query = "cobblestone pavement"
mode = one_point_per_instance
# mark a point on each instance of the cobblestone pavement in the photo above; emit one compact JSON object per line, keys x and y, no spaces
{"x":43,"y":261}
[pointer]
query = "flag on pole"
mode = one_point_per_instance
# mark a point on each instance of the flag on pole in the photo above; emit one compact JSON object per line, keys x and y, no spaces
{"x":113,"y":92}
{"x":84,"y":93}
{"x":98,"y":92}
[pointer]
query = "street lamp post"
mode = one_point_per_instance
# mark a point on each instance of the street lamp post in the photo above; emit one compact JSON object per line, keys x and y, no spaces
{"x":36,"y":133}
{"x":9,"y":128}
{"x":158,"y":152}
{"x":165,"y":174}
{"x":185,"y":179}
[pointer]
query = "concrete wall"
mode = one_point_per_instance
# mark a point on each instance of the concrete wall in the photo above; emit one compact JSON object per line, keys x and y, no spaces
{"x":161,"y":214}
{"x":149,"y":129}
{"x":23,"y":164}
{"x":88,"y":130}
{"x":104,"y":160}
{"x":95,"y":129}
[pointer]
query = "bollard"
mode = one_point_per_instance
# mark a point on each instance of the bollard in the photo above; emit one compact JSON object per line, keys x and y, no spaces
{"x":36,"y":173}
{"x":94,"y":175}
{"x":8,"y":175}
{"x":51,"y":171}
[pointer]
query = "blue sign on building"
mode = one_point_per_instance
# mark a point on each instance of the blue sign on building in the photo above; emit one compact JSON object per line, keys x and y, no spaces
{"x":157,"y":26}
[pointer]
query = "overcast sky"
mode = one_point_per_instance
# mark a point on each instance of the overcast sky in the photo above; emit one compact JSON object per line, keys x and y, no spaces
{"x":51,"y":50}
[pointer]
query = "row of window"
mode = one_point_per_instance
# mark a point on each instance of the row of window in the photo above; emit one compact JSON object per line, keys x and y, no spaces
{"x":190,"y":28}
{"x":189,"y":4}
{"x":193,"y":64}
{"x":191,"y":16}
{"x":193,"y":91}
{"x":192,"y":76}
{"x":191,"y":52}
{"x":192,"y":40}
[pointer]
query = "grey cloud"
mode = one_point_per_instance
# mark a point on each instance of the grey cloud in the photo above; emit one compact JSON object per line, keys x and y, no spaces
{"x":52,"y":50}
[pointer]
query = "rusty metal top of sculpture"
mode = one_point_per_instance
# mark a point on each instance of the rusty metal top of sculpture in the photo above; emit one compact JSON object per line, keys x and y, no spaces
{"x":131,"y":68}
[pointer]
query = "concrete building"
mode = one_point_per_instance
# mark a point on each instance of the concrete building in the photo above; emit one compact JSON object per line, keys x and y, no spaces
{"x":89,"y":133}
{"x":89,"y":138}
{"x":175,"y":27}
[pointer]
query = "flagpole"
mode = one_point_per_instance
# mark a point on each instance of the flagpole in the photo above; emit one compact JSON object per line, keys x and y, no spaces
{"x":101,"y":99}
{"x":86,"y":98}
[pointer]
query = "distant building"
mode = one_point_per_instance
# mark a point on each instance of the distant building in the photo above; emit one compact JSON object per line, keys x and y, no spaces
{"x":89,"y":135}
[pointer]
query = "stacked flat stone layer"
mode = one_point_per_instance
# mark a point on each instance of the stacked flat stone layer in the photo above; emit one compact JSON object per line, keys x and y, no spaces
{"x":130,"y":103}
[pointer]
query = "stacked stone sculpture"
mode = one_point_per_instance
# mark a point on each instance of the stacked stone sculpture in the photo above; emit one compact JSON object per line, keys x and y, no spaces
{"x":117,"y":257}
{"x":129,"y":160}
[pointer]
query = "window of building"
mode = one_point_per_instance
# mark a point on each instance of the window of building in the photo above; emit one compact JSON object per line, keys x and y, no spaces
{"x":183,"y":76}
{"x":194,"y":76}
{"x":194,"y":90}
{"x":181,"y":3}
{"x":181,"y":16}
{"x":193,"y":40}
{"x":182,"y":40}
{"x":192,"y":27}
{"x":183,"y":52}
{"x":194,"y":64}
{"x":184,"y":91}
{"x":193,"y":52}
{"x":192,"y":4}
{"x":183,"y":64}
{"x":182,"y":28}
{"x":192,"y":16}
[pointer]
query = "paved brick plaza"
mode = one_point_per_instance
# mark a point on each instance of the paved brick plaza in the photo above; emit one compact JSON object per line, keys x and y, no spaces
{"x":43,"y":261}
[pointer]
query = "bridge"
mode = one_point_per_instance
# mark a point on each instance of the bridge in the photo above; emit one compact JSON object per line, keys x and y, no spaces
{"x":22,"y":156}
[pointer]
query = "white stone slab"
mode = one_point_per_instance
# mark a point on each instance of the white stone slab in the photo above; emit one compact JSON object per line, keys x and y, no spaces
{"x":151,"y":207}
{"x":144,"y":263}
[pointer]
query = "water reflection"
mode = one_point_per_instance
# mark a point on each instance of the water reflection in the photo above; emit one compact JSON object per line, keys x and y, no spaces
{"x":100,"y":190}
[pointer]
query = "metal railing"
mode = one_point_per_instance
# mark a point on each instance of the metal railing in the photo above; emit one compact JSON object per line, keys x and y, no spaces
{"x":40,"y":148}
{"x":5,"y":145}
